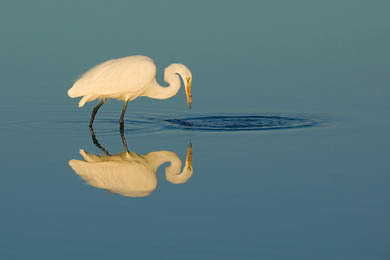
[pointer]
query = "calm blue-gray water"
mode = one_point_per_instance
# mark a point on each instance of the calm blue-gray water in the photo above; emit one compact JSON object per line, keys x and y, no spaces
{"x":289,"y":131}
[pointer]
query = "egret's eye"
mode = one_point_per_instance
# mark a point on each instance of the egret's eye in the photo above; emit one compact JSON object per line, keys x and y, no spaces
{"x":188,"y":80}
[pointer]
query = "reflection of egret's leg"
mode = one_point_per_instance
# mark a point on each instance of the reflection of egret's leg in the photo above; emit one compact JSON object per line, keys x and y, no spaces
{"x":94,"y":111}
{"x":96,"y":142}
{"x":123,"y":112}
{"x":121,"y":128}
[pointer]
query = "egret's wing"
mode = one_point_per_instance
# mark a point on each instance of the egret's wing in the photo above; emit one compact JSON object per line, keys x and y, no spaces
{"x":126,"y":75}
{"x":126,"y":178}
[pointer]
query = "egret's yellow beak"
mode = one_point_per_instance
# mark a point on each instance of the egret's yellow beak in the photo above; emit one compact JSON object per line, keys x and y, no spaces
{"x":188,"y":92}
{"x":189,"y":157}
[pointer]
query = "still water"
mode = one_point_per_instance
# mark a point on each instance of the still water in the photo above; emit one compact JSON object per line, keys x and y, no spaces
{"x":284,"y":155}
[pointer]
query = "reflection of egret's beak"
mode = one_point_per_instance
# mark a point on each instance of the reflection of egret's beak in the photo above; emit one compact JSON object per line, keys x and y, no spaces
{"x":189,"y":157}
{"x":188,"y":92}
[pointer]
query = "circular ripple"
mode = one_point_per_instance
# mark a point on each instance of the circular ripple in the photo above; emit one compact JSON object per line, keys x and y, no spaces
{"x":239,"y":123}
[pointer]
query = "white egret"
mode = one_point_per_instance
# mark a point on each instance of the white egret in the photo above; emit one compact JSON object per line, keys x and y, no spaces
{"x":128,"y":173}
{"x":126,"y":79}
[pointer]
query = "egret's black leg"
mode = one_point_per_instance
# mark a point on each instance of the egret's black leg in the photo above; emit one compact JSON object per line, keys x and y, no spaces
{"x":96,"y":142}
{"x":121,"y":127}
{"x":122,"y":131}
{"x":94,"y":111}
{"x":123,"y":112}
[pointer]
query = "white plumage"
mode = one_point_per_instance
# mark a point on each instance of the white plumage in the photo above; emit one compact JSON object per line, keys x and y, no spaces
{"x":130,"y":174}
{"x":128,"y":78}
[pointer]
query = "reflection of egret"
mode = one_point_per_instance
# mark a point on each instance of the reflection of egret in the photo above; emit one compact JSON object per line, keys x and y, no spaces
{"x":128,"y":78}
{"x":128,"y":173}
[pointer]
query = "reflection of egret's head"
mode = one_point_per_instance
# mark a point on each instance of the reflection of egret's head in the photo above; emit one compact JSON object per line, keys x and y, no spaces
{"x":130,"y":174}
{"x":171,"y":171}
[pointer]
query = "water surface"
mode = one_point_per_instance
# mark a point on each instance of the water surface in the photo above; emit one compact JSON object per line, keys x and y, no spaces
{"x":317,"y":188}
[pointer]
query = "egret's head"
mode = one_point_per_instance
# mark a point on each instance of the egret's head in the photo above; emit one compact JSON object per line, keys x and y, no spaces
{"x":186,"y":76}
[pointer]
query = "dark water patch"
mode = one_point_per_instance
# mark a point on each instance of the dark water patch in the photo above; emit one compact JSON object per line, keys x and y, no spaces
{"x":239,"y":123}
{"x":146,"y":124}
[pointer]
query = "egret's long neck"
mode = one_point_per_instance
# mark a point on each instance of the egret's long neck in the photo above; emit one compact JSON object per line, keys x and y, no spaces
{"x":172,"y":172}
{"x":159,"y":92}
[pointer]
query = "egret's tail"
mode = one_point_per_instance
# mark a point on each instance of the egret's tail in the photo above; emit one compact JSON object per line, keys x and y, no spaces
{"x":77,"y":166}
{"x":84,"y":100}
{"x":74,"y":93}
